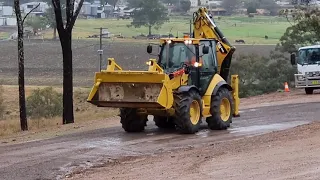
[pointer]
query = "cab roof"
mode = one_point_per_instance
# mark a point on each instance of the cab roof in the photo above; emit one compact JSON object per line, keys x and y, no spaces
{"x":195,"y":40}
{"x":310,"y":47}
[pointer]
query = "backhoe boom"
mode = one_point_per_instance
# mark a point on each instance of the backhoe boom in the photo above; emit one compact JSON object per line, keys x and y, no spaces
{"x":205,"y":28}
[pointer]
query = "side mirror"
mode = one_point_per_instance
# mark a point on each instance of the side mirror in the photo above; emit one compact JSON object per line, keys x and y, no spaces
{"x":205,"y":50}
{"x":293,"y":59}
{"x":149,"y":49}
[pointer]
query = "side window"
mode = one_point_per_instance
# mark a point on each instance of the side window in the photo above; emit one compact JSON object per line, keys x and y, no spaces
{"x":302,"y":56}
{"x":208,"y":59}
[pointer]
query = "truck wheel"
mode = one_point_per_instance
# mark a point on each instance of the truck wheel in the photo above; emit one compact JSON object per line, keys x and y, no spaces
{"x":131,"y":121}
{"x":188,"y":112}
{"x":309,"y":90}
{"x":164,"y":122}
{"x":221,"y":110}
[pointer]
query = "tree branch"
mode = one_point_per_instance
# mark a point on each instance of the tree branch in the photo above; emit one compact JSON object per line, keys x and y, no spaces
{"x":68,"y":12}
{"x":58,"y":15}
{"x":75,"y":16}
{"x":29,"y":13}
{"x":72,"y":8}
{"x":288,"y":20}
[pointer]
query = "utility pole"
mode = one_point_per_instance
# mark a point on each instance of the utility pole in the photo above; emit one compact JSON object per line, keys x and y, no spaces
{"x":100,"y":51}
{"x":190,"y":28}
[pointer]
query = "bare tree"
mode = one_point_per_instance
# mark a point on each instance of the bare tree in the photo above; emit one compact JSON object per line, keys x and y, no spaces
{"x":65,"y":35}
{"x":22,"y":97}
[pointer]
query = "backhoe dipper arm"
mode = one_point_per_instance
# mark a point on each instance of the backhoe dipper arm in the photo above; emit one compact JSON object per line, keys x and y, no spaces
{"x":205,"y":28}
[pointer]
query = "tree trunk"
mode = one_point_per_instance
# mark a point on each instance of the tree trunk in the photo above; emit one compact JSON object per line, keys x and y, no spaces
{"x":22,"y":99}
{"x":66,"y":42}
{"x":54,"y":32}
{"x":150,"y":30}
{"x":65,"y":35}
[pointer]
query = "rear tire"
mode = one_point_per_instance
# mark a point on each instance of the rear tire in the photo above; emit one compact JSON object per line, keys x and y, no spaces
{"x":131,"y":121}
{"x":221,"y":110}
{"x":164,"y":122}
{"x":188,"y":112}
{"x":309,"y":90}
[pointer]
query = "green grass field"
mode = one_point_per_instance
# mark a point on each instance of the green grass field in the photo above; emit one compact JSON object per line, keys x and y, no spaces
{"x":4,"y":35}
{"x":252,"y":30}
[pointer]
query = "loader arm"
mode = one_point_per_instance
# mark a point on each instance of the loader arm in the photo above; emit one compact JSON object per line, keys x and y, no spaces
{"x":205,"y":28}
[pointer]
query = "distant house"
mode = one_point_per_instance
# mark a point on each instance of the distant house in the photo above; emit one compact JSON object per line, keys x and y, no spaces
{"x":6,"y":16}
{"x":27,"y":7}
{"x":263,"y":12}
{"x":194,"y":3}
{"x":214,"y":3}
{"x":8,"y":21}
{"x":315,"y":2}
{"x":218,"y":12}
{"x":204,"y":2}
{"x":128,"y":12}
{"x":96,"y":10}
{"x":6,"y":11}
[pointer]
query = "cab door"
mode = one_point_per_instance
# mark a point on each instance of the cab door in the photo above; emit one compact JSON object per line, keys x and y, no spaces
{"x":208,"y":66}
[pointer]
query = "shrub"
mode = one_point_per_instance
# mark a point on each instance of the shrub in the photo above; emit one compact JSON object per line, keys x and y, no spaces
{"x":259,"y":75}
{"x":44,"y":103}
{"x":2,"y":106}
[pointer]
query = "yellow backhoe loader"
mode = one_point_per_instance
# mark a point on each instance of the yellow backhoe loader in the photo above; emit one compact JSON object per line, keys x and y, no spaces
{"x":186,"y":83}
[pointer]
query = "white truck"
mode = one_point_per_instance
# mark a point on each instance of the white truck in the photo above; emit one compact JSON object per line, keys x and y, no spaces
{"x":308,"y":65}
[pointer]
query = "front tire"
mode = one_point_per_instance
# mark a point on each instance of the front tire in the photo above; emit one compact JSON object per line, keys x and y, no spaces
{"x":188,"y":112}
{"x":131,"y":121}
{"x":309,"y":90}
{"x":221,"y":110}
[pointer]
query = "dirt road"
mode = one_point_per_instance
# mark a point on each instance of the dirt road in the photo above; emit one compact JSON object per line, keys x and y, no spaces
{"x":283,"y":155}
{"x":58,"y":157}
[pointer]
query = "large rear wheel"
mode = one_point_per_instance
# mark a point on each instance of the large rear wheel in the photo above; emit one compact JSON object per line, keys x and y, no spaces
{"x":221,"y":110}
{"x":132,"y":121}
{"x":188,"y":112}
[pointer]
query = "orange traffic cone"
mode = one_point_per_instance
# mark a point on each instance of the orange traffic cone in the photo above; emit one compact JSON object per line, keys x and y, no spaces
{"x":286,"y":87}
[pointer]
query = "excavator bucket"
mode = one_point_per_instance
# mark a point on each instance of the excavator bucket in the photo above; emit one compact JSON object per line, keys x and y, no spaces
{"x":115,"y":87}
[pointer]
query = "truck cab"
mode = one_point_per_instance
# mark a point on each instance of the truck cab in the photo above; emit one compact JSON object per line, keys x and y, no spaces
{"x":308,"y":66}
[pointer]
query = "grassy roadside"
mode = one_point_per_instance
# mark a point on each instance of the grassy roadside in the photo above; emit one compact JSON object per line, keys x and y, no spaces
{"x":85,"y":113}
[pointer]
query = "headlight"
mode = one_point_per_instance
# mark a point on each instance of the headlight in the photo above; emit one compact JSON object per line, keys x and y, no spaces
{"x":310,"y":74}
{"x":188,"y":41}
{"x":301,"y":78}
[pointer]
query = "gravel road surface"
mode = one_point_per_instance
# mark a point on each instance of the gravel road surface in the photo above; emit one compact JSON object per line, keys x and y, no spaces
{"x":55,"y":158}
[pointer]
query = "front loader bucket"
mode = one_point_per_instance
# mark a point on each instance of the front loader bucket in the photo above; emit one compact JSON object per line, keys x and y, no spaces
{"x":131,"y":89}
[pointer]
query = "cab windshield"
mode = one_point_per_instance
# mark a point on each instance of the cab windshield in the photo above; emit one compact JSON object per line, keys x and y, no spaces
{"x":176,"y":53}
{"x":309,"y":56}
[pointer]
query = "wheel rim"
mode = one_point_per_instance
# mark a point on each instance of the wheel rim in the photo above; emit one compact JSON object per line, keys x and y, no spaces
{"x":225,"y":109}
{"x":194,"y":112}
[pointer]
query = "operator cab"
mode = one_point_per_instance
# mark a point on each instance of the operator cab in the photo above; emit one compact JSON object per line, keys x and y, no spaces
{"x":198,"y":55}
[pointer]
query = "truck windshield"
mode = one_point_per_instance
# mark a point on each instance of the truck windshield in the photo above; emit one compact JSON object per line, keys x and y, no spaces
{"x":309,"y":56}
{"x":177,"y":54}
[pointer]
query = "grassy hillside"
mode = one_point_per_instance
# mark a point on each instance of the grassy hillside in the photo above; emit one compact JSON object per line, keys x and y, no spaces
{"x":252,"y":30}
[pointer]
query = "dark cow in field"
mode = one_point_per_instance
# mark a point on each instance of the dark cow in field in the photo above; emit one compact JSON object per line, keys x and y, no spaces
{"x":240,"y":41}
